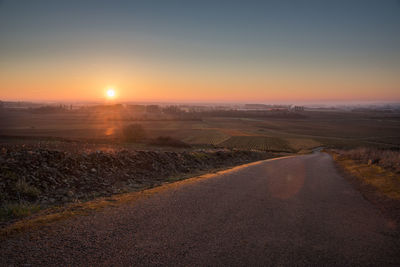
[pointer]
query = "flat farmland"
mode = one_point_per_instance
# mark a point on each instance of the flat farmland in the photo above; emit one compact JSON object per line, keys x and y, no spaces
{"x":315,"y":128}
{"x":264,"y":143}
{"x":205,"y":136}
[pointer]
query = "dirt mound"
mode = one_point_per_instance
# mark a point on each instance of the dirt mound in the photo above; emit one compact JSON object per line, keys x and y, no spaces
{"x":49,"y":177}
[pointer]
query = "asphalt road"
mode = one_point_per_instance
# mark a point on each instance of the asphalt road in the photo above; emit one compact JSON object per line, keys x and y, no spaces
{"x":291,"y":211}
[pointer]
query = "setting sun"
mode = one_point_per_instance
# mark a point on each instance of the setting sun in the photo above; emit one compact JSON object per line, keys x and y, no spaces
{"x":110,"y":93}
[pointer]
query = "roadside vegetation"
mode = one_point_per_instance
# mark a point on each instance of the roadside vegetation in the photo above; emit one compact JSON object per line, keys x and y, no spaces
{"x":374,"y":167}
{"x":387,"y":159}
{"x":375,"y":173}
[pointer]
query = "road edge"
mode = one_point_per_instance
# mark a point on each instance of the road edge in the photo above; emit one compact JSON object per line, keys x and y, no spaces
{"x":52,"y":215}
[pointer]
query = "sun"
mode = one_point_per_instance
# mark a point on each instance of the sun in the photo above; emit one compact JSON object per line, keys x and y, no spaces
{"x":110,"y":93}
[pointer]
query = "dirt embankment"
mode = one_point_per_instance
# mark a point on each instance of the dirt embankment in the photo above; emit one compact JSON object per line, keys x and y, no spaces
{"x":49,"y":177}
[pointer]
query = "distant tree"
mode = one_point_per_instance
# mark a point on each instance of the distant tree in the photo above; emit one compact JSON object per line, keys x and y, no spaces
{"x":152,"y":109}
{"x":137,"y":108}
{"x":172,"y":110}
{"x":48,"y":109}
{"x":133,"y":132}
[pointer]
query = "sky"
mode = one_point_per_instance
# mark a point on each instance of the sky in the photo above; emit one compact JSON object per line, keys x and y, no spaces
{"x":200,"y":51}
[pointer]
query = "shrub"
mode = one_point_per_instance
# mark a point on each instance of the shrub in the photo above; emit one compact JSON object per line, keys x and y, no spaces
{"x":133,"y":132}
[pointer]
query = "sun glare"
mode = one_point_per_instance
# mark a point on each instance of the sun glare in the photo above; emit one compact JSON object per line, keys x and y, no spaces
{"x":110,"y":93}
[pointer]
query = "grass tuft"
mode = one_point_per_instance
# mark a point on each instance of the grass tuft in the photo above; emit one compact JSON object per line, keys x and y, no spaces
{"x":26,"y":190}
{"x":10,"y":211}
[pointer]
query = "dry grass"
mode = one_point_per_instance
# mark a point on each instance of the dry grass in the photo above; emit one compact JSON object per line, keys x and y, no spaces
{"x":387,"y":159}
{"x":384,"y":181}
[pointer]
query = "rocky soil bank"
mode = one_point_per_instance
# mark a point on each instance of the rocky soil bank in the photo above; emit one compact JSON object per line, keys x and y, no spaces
{"x":49,"y":177}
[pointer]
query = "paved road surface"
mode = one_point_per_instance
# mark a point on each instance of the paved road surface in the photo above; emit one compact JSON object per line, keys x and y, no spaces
{"x":290,"y":211}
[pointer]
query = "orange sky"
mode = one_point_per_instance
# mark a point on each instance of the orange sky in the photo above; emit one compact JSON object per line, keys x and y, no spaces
{"x":180,"y":84}
{"x":200,"y":52}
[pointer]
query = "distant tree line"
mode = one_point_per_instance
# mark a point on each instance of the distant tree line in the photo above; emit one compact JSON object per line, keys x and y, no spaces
{"x":173,"y":112}
{"x":51,"y":109}
{"x":253,"y":114}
